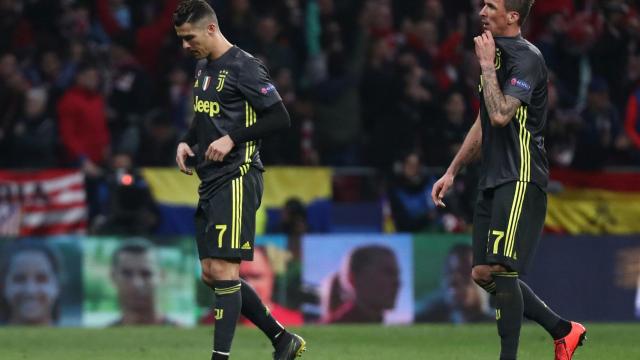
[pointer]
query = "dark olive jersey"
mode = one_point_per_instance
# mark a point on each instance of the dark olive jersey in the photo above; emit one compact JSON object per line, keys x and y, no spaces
{"x":516,"y":152}
{"x":227,"y":94}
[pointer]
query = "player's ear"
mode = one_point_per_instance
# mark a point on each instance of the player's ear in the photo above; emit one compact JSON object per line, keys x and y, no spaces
{"x":513,"y":17}
{"x":212,"y":28}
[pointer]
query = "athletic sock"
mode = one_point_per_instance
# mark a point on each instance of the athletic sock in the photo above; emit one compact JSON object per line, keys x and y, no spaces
{"x":219,"y":356}
{"x":226,"y":313}
{"x":489,"y":287}
{"x":254,"y":310}
{"x":536,"y":310}
{"x":509,"y":310}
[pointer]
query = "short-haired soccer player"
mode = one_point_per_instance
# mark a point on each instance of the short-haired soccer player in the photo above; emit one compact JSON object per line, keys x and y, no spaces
{"x":235,"y":105}
{"x":511,"y":207}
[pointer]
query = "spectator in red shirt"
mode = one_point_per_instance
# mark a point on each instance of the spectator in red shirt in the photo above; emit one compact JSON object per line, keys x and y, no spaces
{"x":82,"y":121}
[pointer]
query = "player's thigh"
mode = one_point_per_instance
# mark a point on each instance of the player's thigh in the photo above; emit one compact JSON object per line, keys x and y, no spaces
{"x":481,"y":225}
{"x":216,"y":224}
{"x":530,"y":226}
{"x":251,"y":198}
{"x":516,"y":223}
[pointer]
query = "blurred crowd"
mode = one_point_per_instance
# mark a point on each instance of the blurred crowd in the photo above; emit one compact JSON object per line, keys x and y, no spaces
{"x":103,"y":85}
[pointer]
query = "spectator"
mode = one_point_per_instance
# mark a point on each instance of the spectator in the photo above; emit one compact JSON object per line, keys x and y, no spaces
{"x":130,"y":207}
{"x":149,"y":37}
{"x":277,"y":55}
{"x":34,"y":139}
{"x":240,"y":24}
{"x":610,"y":54}
{"x":412,"y":210}
{"x":13,"y":87}
{"x":445,"y":134}
{"x":158,"y":141}
{"x":82,"y":122}
{"x":179,"y":98}
{"x":599,"y":136}
{"x":129,"y":96}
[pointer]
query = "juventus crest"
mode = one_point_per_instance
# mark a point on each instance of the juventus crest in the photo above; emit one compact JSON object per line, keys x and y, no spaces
{"x":221,"y":76}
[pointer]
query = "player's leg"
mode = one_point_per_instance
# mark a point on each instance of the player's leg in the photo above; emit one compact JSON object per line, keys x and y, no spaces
{"x":490,"y":276}
{"x":223,"y":277}
{"x":506,"y":261}
{"x":217,"y":235}
{"x":567,"y":335}
{"x":534,"y":308}
{"x":527,"y":236}
{"x":286,"y":345}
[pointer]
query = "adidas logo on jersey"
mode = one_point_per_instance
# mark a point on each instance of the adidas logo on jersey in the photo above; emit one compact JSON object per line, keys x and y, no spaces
{"x":246,"y":246}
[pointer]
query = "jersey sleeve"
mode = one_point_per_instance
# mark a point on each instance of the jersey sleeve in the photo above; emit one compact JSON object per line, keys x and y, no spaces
{"x":524,"y":76}
{"x":256,"y":85}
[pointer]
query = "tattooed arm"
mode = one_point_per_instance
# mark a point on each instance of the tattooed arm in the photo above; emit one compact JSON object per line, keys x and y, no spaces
{"x":500,"y":108}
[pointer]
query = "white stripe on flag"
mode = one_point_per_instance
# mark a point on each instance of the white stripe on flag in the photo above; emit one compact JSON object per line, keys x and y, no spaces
{"x":62,"y":182}
{"x":47,"y":185}
{"x":42,"y":218}
{"x":69,"y":197}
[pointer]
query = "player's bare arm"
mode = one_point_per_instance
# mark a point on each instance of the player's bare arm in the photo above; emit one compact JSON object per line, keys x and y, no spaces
{"x":469,"y":152}
{"x":501,"y":108}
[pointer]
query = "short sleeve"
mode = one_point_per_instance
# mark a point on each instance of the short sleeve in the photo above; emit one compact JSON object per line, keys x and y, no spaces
{"x":523,"y":77}
{"x":256,"y":85}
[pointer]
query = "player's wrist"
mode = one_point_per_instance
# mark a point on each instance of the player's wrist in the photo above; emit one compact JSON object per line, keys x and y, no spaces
{"x":488,"y":68}
{"x":452,"y":171}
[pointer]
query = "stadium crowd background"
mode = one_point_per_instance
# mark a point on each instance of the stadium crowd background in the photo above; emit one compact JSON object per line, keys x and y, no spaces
{"x":390,"y":86}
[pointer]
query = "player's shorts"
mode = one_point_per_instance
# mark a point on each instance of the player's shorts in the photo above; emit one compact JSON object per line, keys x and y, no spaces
{"x":507,"y":224}
{"x":226,"y":223}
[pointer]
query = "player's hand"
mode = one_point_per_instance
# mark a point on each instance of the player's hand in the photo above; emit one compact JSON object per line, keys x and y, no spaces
{"x":440,"y":188}
{"x":218,"y":149}
{"x":485,"y":49}
{"x":181,"y":155}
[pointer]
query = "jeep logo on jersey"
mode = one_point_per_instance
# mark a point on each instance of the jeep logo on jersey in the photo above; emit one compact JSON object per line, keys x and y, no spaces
{"x":221,"y":76}
{"x":208,"y":107}
{"x":206,"y":82}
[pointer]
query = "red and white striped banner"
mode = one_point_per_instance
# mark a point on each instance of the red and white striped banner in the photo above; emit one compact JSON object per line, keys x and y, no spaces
{"x":48,"y":202}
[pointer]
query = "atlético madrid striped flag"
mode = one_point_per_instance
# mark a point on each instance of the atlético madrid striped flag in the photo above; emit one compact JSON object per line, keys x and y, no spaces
{"x":48,"y":202}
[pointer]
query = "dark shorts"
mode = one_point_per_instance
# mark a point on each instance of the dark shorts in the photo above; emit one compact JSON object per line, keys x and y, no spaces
{"x":507,"y":224}
{"x":226,"y":223}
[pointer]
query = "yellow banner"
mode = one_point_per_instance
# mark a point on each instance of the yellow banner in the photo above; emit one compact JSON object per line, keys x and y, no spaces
{"x":171,"y":187}
{"x":305,"y":183}
{"x":590,"y":211}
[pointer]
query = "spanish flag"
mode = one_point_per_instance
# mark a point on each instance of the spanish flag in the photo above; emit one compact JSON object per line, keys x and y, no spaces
{"x":594,"y":203}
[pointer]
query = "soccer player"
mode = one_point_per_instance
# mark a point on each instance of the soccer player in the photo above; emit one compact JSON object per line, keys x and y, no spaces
{"x":509,"y":214}
{"x":235,"y":104}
